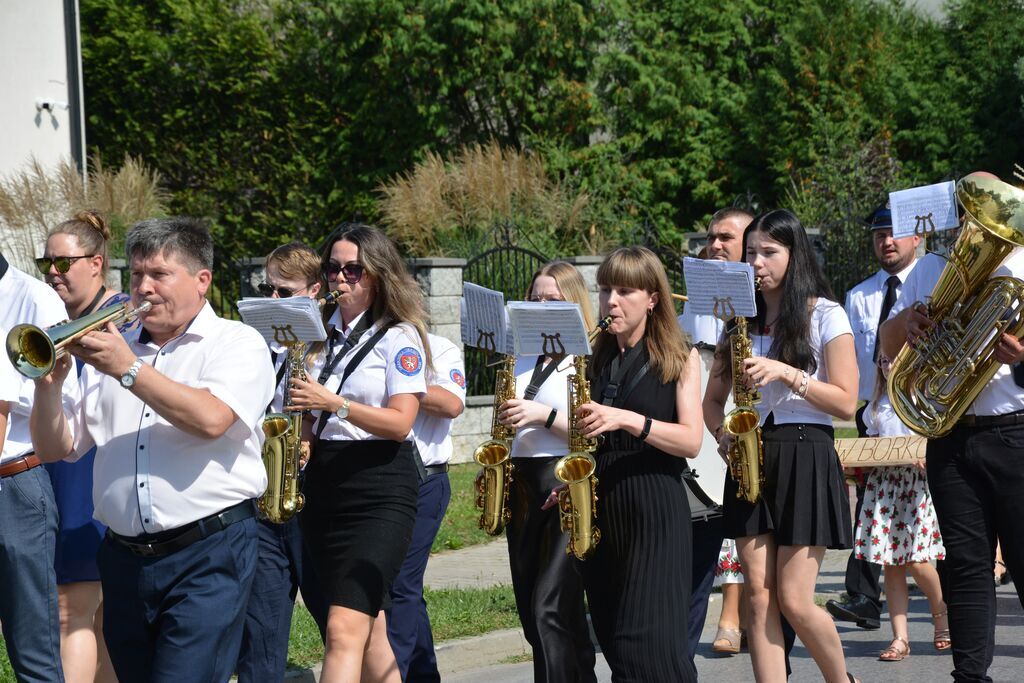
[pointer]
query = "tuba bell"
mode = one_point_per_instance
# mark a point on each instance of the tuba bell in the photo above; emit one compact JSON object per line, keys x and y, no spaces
{"x":34,"y":351}
{"x":933,"y":381}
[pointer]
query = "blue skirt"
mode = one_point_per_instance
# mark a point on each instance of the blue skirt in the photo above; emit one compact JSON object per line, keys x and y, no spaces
{"x":78,"y":534}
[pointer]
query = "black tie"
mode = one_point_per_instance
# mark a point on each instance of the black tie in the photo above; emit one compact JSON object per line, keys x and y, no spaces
{"x":891,"y":283}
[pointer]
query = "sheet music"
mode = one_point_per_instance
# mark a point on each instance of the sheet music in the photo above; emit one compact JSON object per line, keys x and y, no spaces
{"x":551,"y":328}
{"x":729,"y":284}
{"x":485,"y":324}
{"x":921,"y":210}
{"x":282,"y":321}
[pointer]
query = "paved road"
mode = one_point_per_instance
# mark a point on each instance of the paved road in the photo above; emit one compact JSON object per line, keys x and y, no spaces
{"x":862,"y":647}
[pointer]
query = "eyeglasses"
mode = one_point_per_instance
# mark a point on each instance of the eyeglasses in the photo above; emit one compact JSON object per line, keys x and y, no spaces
{"x":543,"y":299}
{"x":351,"y":272}
{"x":62,"y":263}
{"x":267,"y":289}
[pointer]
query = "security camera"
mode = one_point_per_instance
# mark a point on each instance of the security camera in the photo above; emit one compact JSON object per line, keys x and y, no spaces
{"x":50,"y":105}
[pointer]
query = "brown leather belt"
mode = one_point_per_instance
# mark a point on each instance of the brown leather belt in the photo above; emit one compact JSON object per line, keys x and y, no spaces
{"x":9,"y":469}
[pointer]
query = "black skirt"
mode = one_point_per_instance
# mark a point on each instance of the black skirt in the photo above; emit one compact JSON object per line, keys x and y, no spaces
{"x":358,"y":520}
{"x":804,"y":500}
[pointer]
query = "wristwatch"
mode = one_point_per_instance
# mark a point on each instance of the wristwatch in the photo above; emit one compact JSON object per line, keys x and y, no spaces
{"x":342,"y":412}
{"x":128,"y":378}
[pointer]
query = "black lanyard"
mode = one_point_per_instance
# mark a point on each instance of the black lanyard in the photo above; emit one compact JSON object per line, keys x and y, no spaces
{"x":620,"y":367}
{"x":539,"y":376}
{"x":96,"y":299}
{"x":350,"y":368}
{"x":351,"y":340}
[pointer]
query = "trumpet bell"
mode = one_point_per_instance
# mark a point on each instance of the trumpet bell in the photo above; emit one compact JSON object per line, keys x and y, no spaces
{"x":31,"y":351}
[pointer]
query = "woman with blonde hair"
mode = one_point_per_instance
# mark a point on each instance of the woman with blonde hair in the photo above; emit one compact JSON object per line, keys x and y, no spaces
{"x":646,"y":405}
{"x":75,"y":264}
{"x":548,"y":590}
{"x":362,"y":483}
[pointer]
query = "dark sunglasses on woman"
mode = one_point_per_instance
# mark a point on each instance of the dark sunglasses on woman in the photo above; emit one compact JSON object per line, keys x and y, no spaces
{"x":351,"y":272}
{"x":267,"y":289}
{"x":62,"y":263}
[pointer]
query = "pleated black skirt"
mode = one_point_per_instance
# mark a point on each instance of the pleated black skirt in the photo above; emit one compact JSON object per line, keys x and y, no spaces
{"x":358,"y":520}
{"x":638,"y":579}
{"x":804,"y":500}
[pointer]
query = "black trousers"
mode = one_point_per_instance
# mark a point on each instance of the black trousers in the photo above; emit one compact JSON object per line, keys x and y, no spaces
{"x":547,"y":585}
{"x":861,"y":575}
{"x":976,"y":478}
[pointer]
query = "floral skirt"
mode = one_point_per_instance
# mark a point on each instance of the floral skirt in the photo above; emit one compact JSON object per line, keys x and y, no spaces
{"x":897,"y":523}
{"x":728,"y":569}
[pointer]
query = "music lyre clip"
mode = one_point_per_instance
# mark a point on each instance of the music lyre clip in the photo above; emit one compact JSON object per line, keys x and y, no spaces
{"x":485,"y":341}
{"x":724,"y":310}
{"x":921,"y":227}
{"x":553,"y":345}
{"x":284,"y":335}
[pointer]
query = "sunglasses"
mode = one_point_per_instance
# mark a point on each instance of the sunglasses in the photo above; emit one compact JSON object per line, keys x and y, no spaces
{"x":351,"y":272}
{"x":61,"y":263}
{"x":267,"y":289}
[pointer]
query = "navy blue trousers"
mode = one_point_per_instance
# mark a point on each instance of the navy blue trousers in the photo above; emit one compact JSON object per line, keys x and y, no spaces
{"x":408,"y":623}
{"x":707,"y":543}
{"x":282,"y":570}
{"x":28,"y":597}
{"x":178,"y":617}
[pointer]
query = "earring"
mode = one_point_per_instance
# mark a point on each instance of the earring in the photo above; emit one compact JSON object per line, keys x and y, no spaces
{"x":650,"y":312}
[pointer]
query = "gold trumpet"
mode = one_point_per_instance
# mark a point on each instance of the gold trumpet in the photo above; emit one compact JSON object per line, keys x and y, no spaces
{"x":35,"y":350}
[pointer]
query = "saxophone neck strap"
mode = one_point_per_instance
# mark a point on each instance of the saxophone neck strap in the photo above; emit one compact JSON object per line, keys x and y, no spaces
{"x":540,"y":375}
{"x":365,"y":322}
{"x":614,"y":392}
{"x":350,"y":368}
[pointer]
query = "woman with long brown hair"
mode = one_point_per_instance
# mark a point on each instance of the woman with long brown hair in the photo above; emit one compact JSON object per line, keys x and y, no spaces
{"x":548,"y":589}
{"x":361,"y":482}
{"x":75,"y":264}
{"x":646,"y":406}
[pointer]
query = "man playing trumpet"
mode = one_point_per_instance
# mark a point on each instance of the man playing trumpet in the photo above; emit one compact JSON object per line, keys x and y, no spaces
{"x":173,"y":409}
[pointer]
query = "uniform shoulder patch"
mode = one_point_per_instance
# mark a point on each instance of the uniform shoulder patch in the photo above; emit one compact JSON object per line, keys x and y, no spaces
{"x":408,"y":361}
{"x":458,"y":378}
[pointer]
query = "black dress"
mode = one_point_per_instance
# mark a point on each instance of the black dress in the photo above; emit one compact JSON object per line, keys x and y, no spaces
{"x":638,"y":579}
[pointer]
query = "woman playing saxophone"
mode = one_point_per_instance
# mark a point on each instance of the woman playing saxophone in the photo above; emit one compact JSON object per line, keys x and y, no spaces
{"x":549,"y":594}
{"x":804,"y":367}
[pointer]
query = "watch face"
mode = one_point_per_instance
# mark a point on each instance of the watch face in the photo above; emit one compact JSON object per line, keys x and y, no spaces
{"x":127,"y":380}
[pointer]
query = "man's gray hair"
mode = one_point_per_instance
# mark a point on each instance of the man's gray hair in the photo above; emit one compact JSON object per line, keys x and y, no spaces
{"x":187,"y":238}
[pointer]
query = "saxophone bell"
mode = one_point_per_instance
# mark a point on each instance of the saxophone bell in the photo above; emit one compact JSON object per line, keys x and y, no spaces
{"x":494,"y":456}
{"x":282,"y":450}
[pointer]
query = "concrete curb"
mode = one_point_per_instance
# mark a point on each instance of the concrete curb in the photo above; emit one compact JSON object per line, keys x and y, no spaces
{"x":464,"y":654}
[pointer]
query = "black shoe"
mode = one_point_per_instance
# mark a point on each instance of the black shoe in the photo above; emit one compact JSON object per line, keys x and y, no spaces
{"x":857,"y":609}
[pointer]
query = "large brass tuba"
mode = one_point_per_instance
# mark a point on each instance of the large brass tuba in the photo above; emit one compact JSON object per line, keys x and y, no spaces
{"x":746,"y":456}
{"x":577,"y":503}
{"x":933,"y":381}
{"x":495,"y":457}
{"x":34,"y":351}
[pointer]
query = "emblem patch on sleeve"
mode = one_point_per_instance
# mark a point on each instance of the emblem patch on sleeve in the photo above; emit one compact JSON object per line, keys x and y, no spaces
{"x":408,"y":361}
{"x":458,"y":378}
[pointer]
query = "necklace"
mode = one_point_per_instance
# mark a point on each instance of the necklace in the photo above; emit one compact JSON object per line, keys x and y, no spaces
{"x":767,"y":327}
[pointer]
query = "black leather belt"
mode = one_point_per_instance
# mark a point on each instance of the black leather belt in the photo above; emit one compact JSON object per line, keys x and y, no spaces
{"x":991,"y":420}
{"x":431,"y":470}
{"x":171,"y":541}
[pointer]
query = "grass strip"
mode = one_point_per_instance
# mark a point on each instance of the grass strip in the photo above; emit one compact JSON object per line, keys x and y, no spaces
{"x":461,"y":527}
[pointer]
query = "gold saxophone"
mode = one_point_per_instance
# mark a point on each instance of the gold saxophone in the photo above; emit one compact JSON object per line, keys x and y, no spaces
{"x":282,"y":449}
{"x":577,"y":503}
{"x":494,"y":456}
{"x":934,"y":381}
{"x":746,"y":456}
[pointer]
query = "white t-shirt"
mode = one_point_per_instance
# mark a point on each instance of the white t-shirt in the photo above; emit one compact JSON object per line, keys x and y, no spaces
{"x":24,"y":299}
{"x":150,"y":476}
{"x":1001,"y":395}
{"x":828,"y":321}
{"x":537,"y":441}
{"x":434,"y":434}
{"x":882,"y":420}
{"x":10,"y":380}
{"x":394,"y":366}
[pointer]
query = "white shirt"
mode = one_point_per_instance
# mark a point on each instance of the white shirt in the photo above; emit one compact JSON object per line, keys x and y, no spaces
{"x":150,"y":476}
{"x":828,"y":321}
{"x":700,"y":327}
{"x":864,"y":306}
{"x":1001,"y":395}
{"x":10,"y":380}
{"x":24,"y":299}
{"x":882,"y":420}
{"x":394,"y":366}
{"x":433,"y":435}
{"x":537,"y":441}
